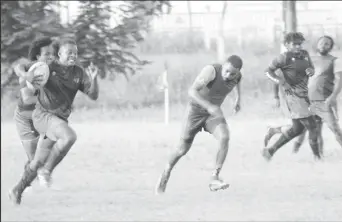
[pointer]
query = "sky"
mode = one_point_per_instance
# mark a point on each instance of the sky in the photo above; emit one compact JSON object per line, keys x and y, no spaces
{"x":180,"y":7}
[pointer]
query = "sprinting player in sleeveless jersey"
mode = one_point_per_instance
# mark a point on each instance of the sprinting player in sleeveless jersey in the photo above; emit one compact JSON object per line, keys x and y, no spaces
{"x":53,"y":109}
{"x":296,"y":66}
{"x":324,"y":87}
{"x":207,"y":94}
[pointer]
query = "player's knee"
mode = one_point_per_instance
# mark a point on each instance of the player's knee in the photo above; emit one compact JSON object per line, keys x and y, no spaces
{"x":224,"y":138}
{"x":185,"y":145}
{"x":188,"y":139}
{"x":35,"y":164}
{"x":295,"y":131}
{"x":71,"y":138}
{"x":182,"y":151}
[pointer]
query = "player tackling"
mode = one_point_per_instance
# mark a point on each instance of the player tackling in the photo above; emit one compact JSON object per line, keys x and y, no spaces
{"x":207,"y":94}
{"x":53,"y":109}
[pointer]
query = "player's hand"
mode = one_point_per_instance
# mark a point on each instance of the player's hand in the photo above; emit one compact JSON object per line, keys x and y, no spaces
{"x":37,"y":80}
{"x":310,"y":72}
{"x":215,"y":111}
{"x":237,"y":107}
{"x":277,"y":103}
{"x":287,"y":88}
{"x":92,"y":70}
{"x":29,"y":76}
{"x":330,"y":101}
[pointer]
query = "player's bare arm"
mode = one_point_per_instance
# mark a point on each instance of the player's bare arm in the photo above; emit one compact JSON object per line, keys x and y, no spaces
{"x":20,"y":69}
{"x":275,"y":65}
{"x":337,"y":86}
{"x":311,"y":70}
{"x":276,"y":91}
{"x":203,"y":79}
{"x":238,"y":98}
{"x":91,"y":85}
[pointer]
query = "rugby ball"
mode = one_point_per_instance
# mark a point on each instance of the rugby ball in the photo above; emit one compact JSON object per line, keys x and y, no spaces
{"x":39,"y":69}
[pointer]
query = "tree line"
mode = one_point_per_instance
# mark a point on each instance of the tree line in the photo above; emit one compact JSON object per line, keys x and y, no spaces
{"x":109,"y":47}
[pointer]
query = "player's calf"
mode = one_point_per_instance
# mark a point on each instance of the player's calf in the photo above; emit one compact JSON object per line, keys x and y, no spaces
{"x":299,"y":142}
{"x":181,"y":151}
{"x":271,"y":131}
{"x":296,"y":129}
{"x":15,"y":194}
{"x":66,"y":137}
{"x":221,"y":133}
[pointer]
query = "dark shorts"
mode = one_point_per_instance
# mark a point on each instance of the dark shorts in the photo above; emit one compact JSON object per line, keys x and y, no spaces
{"x":46,"y":123}
{"x":24,"y":124}
{"x":197,"y":120}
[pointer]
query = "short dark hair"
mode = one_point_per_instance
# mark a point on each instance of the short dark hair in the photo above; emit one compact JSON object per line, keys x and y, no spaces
{"x":328,"y":37}
{"x":235,"y":60}
{"x":36,"y":45}
{"x":293,"y":36}
{"x":59,"y":43}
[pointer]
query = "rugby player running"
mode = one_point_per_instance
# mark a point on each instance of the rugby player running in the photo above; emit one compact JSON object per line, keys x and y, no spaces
{"x":207,"y":94}
{"x":53,"y":109}
{"x":296,"y":66}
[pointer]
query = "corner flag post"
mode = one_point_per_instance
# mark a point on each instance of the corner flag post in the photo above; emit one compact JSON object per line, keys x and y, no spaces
{"x":166,"y":94}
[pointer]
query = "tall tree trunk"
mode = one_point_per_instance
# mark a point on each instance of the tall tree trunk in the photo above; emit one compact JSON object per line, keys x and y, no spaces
{"x":290,"y":16}
{"x":190,"y":15}
{"x":220,"y":39}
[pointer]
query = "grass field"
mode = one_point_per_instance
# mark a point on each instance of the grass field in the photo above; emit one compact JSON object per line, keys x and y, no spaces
{"x":122,"y":147}
{"x":110,"y":175}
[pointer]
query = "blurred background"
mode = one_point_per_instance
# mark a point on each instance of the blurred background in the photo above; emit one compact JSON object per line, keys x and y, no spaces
{"x":134,"y":42}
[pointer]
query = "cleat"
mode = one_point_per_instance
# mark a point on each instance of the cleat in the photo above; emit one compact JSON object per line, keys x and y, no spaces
{"x":270,"y":133}
{"x":44,"y":177}
{"x":162,"y":183}
{"x":266,"y":154}
{"x":218,"y":184}
{"x":14,"y":196}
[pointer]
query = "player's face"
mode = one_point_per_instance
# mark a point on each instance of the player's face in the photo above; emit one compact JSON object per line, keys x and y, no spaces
{"x":324,"y":46}
{"x":68,"y":54}
{"x":229,"y":71}
{"x":46,"y":54}
{"x":295,"y":46}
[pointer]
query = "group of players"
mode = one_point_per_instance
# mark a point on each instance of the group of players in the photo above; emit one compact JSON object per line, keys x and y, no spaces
{"x":310,"y":87}
{"x":42,"y":113}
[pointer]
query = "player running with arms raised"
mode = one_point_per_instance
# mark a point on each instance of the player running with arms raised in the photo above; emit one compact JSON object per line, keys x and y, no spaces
{"x":52,"y":111}
{"x":207,"y":94}
{"x":296,"y":67}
